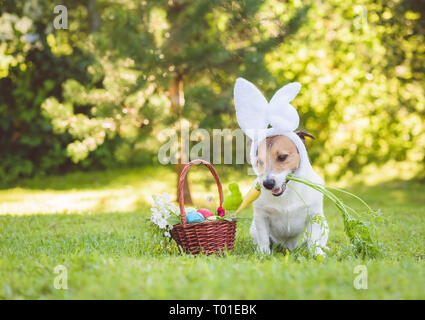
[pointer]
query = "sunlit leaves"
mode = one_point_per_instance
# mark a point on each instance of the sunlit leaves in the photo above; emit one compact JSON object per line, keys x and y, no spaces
{"x":356,"y":65}
{"x":361,"y":65}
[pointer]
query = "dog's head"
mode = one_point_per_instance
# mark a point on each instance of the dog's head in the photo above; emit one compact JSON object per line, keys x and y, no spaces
{"x":277,"y":156}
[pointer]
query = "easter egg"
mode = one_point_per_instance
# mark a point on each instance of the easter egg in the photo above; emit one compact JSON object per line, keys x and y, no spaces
{"x":212,"y":218}
{"x":194,"y":217}
{"x":220,"y":212}
{"x":205,"y":212}
{"x":189,"y":209}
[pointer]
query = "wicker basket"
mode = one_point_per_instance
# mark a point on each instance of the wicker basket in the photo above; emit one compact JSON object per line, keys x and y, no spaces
{"x":207,"y":237}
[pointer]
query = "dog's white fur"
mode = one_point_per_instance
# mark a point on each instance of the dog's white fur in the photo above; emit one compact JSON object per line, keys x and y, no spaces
{"x":289,"y":220}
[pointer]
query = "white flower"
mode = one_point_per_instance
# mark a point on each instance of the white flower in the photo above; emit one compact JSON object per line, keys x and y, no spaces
{"x":162,"y":224}
{"x":166,"y":197}
{"x":162,"y":208}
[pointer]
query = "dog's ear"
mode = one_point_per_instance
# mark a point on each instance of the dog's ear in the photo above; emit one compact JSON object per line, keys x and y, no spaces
{"x":302,"y":134}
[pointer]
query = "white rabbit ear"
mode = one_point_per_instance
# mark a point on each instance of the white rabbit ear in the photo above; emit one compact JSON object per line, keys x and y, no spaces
{"x":287,"y":93}
{"x":251,"y":107}
{"x":281,"y":113}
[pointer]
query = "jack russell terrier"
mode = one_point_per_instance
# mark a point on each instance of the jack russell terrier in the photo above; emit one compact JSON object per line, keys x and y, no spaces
{"x":287,"y":212}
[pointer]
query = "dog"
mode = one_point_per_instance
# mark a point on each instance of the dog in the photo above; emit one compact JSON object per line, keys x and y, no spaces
{"x":286,"y":213}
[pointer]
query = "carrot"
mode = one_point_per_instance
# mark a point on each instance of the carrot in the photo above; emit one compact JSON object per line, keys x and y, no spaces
{"x":250,"y":197}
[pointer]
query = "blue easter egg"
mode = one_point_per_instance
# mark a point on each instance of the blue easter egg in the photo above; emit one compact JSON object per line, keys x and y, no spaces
{"x":194,"y":217}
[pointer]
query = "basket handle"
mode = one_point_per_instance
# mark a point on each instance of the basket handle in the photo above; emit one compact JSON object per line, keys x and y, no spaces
{"x":181,"y":183}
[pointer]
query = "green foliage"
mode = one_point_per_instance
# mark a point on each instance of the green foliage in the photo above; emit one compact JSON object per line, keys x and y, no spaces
{"x":358,"y":231}
{"x":363,"y":95}
{"x":129,"y":93}
{"x":172,"y":220}
{"x":29,"y":73}
{"x":105,"y":88}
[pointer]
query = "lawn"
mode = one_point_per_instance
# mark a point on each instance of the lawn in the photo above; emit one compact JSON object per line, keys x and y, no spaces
{"x":96,"y":225}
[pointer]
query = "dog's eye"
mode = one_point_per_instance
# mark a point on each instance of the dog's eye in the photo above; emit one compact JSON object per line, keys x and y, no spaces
{"x":260,"y":163}
{"x":282,"y":157}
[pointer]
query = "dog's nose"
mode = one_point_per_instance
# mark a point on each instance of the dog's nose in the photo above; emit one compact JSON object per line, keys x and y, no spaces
{"x":269,"y":183}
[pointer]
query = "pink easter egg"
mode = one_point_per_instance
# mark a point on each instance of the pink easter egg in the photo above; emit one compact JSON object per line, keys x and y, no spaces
{"x":205,"y":212}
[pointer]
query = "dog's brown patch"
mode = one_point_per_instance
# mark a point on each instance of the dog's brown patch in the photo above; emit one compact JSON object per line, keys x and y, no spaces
{"x":302,"y":134}
{"x":277,"y":154}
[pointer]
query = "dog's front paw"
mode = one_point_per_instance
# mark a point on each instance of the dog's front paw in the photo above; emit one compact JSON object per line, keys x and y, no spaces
{"x":263,"y":250}
{"x":319,"y":252}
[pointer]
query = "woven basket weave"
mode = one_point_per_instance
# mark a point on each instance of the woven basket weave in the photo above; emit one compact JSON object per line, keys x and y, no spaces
{"x":207,"y":237}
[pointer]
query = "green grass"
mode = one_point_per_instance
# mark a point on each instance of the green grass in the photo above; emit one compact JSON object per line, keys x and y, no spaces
{"x":96,"y":225}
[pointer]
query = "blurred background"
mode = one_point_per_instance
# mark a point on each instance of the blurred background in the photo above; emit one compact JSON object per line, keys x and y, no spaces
{"x":82,"y":114}
{"x":96,"y":95}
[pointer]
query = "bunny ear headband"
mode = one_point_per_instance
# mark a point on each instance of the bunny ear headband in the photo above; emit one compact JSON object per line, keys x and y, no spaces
{"x":255,"y":114}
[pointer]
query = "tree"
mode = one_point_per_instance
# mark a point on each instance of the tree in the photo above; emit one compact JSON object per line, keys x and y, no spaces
{"x":188,"y":46}
{"x":124,"y":71}
{"x":362,"y":70}
{"x":32,"y":68}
